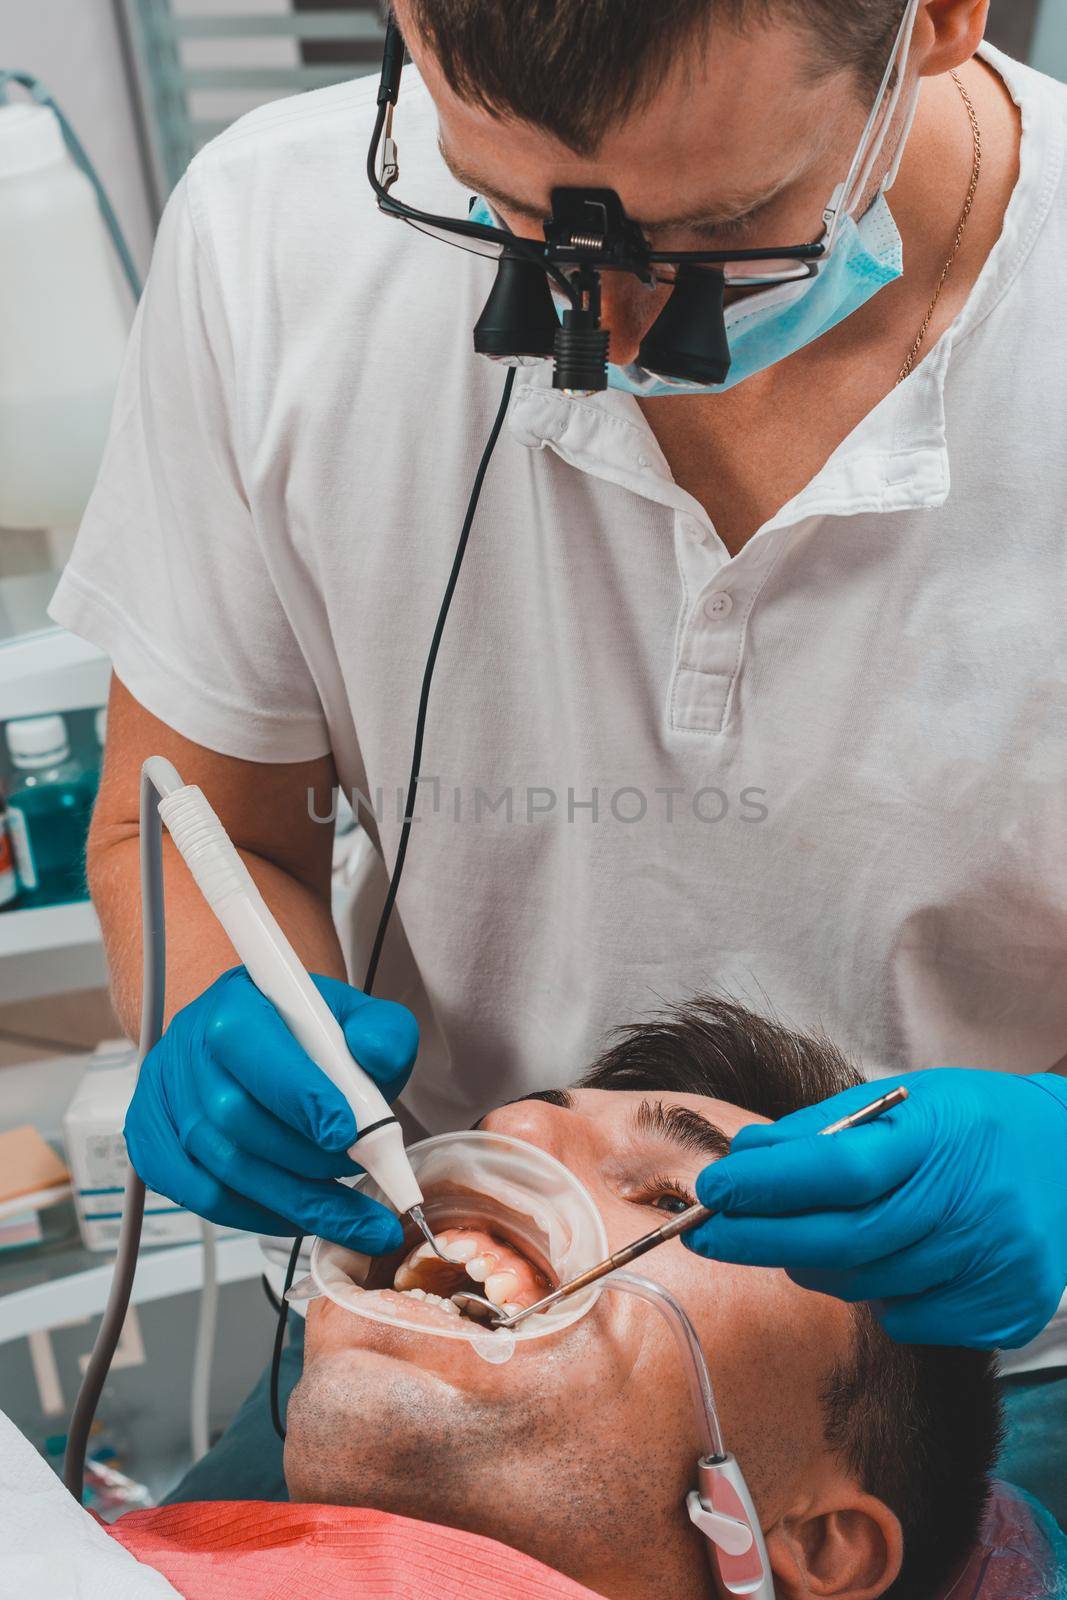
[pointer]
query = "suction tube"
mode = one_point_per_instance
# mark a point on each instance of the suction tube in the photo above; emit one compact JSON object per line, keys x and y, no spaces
{"x":720,"y":1507}
{"x":685,"y":1335}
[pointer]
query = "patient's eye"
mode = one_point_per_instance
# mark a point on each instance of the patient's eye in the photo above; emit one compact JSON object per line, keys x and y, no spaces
{"x":663,"y":1193}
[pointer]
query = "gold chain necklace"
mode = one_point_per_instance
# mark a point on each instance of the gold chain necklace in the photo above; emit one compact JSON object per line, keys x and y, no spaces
{"x":960,"y":231}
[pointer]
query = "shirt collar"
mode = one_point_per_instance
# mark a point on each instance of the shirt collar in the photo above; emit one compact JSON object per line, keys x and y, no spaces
{"x":895,"y":460}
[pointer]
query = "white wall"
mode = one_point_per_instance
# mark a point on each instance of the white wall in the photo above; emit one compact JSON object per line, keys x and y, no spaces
{"x":73,"y":47}
{"x":1050,"y":38}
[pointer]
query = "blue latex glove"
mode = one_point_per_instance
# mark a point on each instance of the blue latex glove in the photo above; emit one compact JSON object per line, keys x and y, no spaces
{"x":233,"y":1120}
{"x":949,"y":1214}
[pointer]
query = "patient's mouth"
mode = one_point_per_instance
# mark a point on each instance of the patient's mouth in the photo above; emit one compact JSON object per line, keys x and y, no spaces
{"x":504,"y":1274}
{"x":490,"y":1247}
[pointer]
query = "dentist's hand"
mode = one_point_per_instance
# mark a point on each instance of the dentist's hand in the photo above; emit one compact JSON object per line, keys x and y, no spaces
{"x":233,"y":1120}
{"x":949,"y":1214}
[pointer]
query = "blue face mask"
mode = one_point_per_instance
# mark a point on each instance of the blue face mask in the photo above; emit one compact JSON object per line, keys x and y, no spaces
{"x":772,"y":324}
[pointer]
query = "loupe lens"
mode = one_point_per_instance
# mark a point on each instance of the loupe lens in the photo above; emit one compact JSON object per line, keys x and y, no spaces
{"x":474,"y":247}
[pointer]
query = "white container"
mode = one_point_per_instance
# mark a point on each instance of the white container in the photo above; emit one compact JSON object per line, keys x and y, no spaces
{"x":64,"y":320}
{"x":96,"y":1156}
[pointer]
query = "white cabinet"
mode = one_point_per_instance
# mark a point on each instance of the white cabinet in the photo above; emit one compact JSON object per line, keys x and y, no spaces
{"x":51,"y":949}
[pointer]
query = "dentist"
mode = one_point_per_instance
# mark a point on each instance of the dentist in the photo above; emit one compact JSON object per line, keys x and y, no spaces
{"x":755,"y":681}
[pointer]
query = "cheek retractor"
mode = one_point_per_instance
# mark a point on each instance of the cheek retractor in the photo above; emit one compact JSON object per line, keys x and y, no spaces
{"x":484,"y":1192}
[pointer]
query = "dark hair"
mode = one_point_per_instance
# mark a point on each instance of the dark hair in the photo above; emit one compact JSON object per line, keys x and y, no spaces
{"x":575,"y":67}
{"x":919,"y":1427}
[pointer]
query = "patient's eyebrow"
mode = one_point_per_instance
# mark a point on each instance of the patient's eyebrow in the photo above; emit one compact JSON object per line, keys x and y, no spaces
{"x":551,"y":1097}
{"x":680,"y":1125}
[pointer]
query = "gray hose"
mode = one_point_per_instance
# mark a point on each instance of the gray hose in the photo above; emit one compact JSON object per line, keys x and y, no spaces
{"x":203,"y":1350}
{"x":153,"y":934}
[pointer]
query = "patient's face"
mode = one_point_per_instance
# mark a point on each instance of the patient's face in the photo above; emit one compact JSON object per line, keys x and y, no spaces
{"x":581,"y":1448}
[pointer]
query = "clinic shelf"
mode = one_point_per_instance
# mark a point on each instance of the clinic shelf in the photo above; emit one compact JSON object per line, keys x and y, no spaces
{"x":48,"y":670}
{"x":59,"y":1285}
{"x":50,"y":950}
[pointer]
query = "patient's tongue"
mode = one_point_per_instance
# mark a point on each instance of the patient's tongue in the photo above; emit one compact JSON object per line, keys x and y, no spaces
{"x":506,"y":1276}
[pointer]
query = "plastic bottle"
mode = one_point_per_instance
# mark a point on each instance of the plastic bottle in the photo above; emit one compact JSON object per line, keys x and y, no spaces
{"x":8,"y":881}
{"x":64,"y":316}
{"x":48,"y":813}
{"x":91,"y":781}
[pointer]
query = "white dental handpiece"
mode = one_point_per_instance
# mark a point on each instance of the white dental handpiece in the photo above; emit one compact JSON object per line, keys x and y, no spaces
{"x":275,"y":969}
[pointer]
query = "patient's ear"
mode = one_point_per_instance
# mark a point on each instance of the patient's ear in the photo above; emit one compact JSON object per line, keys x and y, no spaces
{"x":850,"y":1549}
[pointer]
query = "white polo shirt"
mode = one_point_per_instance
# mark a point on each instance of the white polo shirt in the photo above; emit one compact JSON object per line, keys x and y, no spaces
{"x":827,"y":775}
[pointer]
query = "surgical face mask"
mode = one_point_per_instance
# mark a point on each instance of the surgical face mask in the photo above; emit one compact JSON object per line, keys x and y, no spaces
{"x":773,"y":324}
{"x":863,"y":254}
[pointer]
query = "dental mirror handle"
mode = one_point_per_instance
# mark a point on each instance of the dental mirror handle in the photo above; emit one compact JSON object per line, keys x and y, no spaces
{"x":277,"y":972}
{"x":691,"y":1217}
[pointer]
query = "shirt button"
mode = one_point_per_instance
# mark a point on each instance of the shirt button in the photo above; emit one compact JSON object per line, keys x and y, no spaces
{"x":696,"y":530}
{"x":717,"y":606}
{"x":642,"y":461}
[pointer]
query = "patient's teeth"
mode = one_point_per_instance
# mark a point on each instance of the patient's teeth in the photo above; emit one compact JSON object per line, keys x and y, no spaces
{"x":431,"y":1299}
{"x":510,"y":1309}
{"x":404,"y":1278}
{"x":479,"y":1267}
{"x":423,"y":1253}
{"x":460,"y":1249}
{"x":499,"y":1285}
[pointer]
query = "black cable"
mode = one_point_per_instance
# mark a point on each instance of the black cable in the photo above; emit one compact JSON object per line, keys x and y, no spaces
{"x":427,"y":680}
{"x":405,"y":831}
{"x":279,"y":1340}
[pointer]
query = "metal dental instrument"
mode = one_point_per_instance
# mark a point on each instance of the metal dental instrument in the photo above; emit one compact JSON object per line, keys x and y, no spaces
{"x":471,"y":1301}
{"x":417,"y":1217}
{"x":691,"y":1217}
{"x":871,"y":1113}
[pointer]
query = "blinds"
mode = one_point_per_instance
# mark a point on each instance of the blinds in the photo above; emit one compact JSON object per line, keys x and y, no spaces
{"x":199,"y":64}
